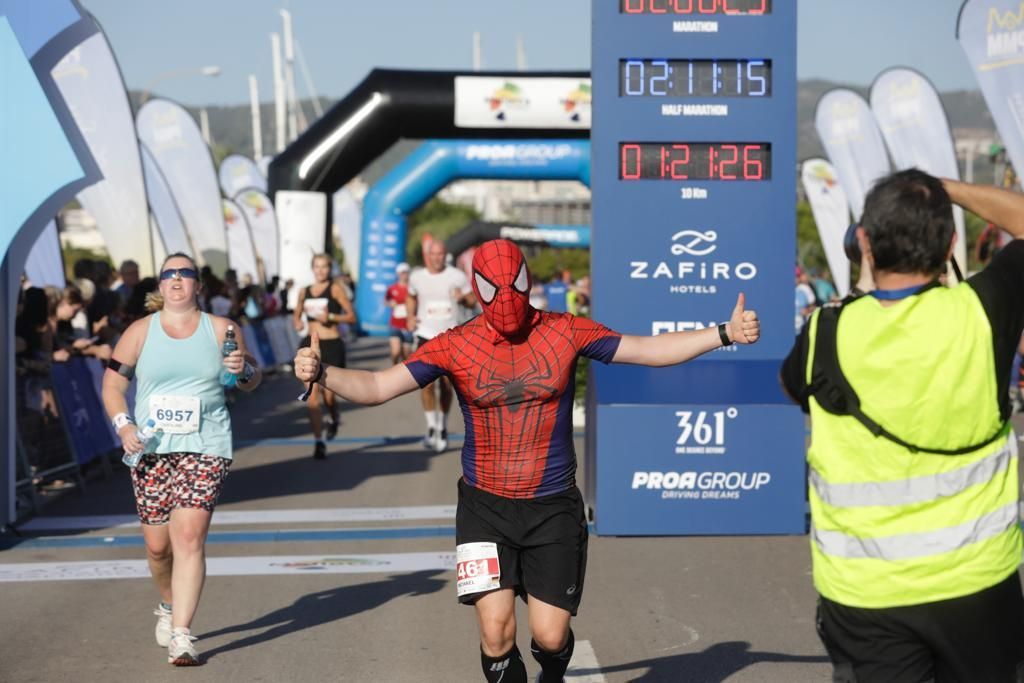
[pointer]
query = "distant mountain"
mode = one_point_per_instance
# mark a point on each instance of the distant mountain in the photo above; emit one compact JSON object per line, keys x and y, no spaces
{"x":231,"y":126}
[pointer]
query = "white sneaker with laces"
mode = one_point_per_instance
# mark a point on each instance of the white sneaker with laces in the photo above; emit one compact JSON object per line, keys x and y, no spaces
{"x":163,"y":625}
{"x":180,"y":651}
{"x":441,"y":442}
{"x":430,"y":439}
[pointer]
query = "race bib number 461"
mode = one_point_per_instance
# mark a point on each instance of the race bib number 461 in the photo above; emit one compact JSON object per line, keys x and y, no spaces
{"x":477,"y":567}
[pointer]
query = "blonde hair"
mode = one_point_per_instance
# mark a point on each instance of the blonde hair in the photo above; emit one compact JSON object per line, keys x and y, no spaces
{"x":155,"y":300}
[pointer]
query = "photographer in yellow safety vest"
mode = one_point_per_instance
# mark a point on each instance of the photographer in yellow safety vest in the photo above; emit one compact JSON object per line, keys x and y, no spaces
{"x":913,"y":486}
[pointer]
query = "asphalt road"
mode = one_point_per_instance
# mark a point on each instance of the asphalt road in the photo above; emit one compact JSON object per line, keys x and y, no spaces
{"x":339,"y":570}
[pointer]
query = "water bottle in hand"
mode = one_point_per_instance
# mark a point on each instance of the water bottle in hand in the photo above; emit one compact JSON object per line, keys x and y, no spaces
{"x":228,"y":378}
{"x":144,"y":435}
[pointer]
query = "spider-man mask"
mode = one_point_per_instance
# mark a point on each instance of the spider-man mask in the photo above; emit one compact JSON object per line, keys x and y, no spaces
{"x":502,"y":284}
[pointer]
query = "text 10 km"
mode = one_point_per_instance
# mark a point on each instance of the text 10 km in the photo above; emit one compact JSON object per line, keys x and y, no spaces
{"x":705,"y":7}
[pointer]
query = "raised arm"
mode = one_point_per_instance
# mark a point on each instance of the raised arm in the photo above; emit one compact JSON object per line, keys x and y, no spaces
{"x":678,"y":347}
{"x":358,"y":386}
{"x":997,"y":206}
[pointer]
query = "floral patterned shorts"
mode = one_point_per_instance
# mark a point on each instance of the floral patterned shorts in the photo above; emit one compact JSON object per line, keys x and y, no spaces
{"x":177,"y":480}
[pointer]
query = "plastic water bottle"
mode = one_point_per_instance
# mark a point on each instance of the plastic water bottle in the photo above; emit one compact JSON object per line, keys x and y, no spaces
{"x":145,"y":435}
{"x":228,"y":378}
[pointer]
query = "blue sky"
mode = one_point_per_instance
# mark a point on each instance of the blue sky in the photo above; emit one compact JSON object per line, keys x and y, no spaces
{"x":342,"y":40}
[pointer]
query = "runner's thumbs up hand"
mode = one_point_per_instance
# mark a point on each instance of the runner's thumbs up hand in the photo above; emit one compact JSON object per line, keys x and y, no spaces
{"x":744,"y":327}
{"x":307,"y":360}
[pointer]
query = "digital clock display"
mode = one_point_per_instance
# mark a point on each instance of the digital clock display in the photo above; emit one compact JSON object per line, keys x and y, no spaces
{"x":695,"y":7}
{"x":695,"y":78}
{"x":695,"y":161}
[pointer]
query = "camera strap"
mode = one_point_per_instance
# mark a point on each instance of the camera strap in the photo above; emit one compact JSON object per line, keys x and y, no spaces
{"x":834,"y":394}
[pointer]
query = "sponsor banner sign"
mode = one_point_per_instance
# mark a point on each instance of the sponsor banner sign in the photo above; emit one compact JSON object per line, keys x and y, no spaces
{"x":90,"y":82}
{"x":184,"y":159}
{"x":348,"y":223}
{"x":701,"y":469}
{"x":233,"y":566}
{"x":853,"y":142}
{"x":301,"y":217}
{"x":991,"y":33}
{"x":916,"y":130}
{"x":45,"y":264}
{"x":831,"y":215}
{"x":238,"y":172}
{"x":241,"y":253}
{"x":259,"y":213}
{"x":522,"y":102}
{"x":165,"y":212}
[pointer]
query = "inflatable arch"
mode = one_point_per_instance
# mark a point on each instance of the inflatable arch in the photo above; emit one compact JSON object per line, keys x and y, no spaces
{"x":391,"y":104}
{"x":426,"y":171}
{"x":539,"y":235}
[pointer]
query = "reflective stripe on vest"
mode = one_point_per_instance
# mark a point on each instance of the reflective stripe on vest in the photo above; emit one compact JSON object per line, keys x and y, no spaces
{"x":893,"y":527}
{"x":915,"y":489}
{"x":907,"y":546}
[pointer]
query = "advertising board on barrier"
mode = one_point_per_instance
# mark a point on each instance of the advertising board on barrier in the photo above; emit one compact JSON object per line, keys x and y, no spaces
{"x":685,"y":458}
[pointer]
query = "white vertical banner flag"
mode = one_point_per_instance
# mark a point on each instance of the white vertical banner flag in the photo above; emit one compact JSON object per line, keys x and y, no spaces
{"x":237,"y":173}
{"x":831,"y":215}
{"x":45,"y":264}
{"x":259,"y":212}
{"x":168,"y":220}
{"x":301,"y":217}
{"x":853,"y":143}
{"x":184,"y":159}
{"x":159,"y":249}
{"x":90,"y":82}
{"x":989,"y":32}
{"x":916,"y":130}
{"x":348,"y":225}
{"x":241,"y":253}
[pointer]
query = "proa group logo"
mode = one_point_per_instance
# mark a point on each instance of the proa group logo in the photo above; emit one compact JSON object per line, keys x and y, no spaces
{"x":696,"y":276}
{"x":508,"y":96}
{"x":1005,"y":33}
{"x":577,"y":102}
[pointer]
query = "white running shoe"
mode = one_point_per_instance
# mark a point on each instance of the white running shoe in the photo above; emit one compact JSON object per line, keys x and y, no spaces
{"x":430,"y":439}
{"x":441,"y":442}
{"x":180,"y":651}
{"x":163,"y":625}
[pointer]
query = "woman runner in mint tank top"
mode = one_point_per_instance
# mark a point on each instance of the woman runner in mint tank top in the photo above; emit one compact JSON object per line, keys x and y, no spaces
{"x":175,"y":354}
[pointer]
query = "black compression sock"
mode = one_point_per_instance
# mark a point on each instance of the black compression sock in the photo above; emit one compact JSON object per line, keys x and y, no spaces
{"x":553,"y":664}
{"x":508,"y":668}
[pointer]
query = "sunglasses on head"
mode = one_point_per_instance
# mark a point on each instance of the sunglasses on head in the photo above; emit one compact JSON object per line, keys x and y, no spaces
{"x":183,"y":273}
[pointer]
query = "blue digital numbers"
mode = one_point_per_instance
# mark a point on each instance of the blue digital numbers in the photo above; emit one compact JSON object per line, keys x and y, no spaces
{"x":703,"y":78}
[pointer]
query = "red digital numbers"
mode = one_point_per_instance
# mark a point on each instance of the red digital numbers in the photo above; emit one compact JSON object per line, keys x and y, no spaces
{"x":693,"y":161}
{"x":730,"y":7}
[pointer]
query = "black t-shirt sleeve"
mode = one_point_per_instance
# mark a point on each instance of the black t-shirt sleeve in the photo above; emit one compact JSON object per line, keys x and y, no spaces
{"x":1000,"y":287}
{"x":794,"y":370}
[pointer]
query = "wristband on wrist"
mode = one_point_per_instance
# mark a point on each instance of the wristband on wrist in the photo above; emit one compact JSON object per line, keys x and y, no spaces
{"x":120,"y":420}
{"x":723,"y":334}
{"x":248,"y":371}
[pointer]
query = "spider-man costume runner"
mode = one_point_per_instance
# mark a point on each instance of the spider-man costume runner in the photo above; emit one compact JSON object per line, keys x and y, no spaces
{"x":520,"y":523}
{"x":513,"y":369}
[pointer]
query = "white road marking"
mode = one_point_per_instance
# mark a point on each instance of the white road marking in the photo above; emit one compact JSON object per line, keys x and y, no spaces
{"x":253,"y":517}
{"x":583,"y":668}
{"x":233,"y":566}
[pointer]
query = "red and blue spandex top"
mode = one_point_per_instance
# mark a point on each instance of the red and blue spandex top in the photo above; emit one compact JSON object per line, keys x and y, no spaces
{"x":516,"y":398}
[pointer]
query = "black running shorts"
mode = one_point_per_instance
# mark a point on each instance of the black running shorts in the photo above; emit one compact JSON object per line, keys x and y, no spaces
{"x":542,"y":542}
{"x":978,"y":637}
{"x":332,"y":351}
